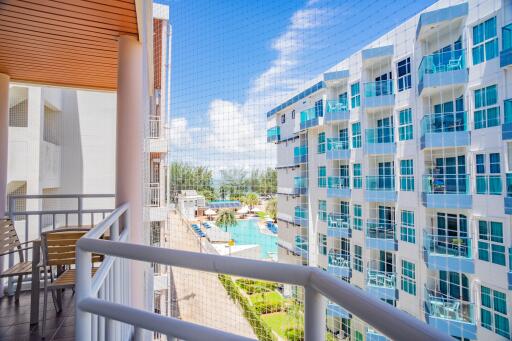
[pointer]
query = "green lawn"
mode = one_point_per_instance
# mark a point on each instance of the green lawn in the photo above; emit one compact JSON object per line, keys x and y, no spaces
{"x":281,"y":321}
{"x":269,"y":297}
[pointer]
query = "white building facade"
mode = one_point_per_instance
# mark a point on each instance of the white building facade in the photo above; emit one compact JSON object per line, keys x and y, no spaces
{"x":394,"y":171}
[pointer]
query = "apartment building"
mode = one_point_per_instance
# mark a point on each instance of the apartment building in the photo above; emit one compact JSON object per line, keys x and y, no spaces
{"x":394,"y":171}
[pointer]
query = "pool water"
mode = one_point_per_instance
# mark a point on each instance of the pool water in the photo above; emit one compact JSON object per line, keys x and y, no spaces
{"x":248,"y":232}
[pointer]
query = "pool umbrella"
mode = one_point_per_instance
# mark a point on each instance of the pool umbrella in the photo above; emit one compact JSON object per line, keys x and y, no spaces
{"x":209,"y":212}
{"x":255,"y":210}
{"x":243,"y":210}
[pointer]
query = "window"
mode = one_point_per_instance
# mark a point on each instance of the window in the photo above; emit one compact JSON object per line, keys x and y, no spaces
{"x":319,"y":108}
{"x":322,"y":177}
{"x":485,"y":41}
{"x":487,"y":110}
{"x":405,"y":125}
{"x":293,"y":114}
{"x":507,"y":107}
{"x":404,"y":74}
{"x":406,"y":176}
{"x":358,"y":258}
{"x":322,"y":244}
{"x":358,"y":217}
{"x":283,"y":118}
{"x":321,"y":143}
{"x":322,"y":210}
{"x":409,"y":277}
{"x":355,"y":98}
{"x":506,"y":37}
{"x":493,"y":312}
{"x":357,"y":176}
{"x":488,"y":183}
{"x":490,"y":242}
{"x":356,"y":135}
{"x":407,"y":231}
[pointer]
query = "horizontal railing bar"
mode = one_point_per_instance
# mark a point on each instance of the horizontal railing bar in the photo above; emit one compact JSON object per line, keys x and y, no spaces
{"x":375,"y":313}
{"x":276,"y":272}
{"x":154,"y":322}
{"x":388,"y":320}
{"x":71,"y":211}
{"x":103,"y":225}
{"x":61,"y":196}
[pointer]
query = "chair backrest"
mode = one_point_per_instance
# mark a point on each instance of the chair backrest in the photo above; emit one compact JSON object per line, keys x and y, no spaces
{"x":9,"y":238}
{"x":59,"y":246}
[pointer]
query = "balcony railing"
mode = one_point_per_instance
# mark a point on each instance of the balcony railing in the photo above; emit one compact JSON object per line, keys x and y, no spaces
{"x":380,"y":183}
{"x":274,"y":134}
{"x":380,"y":135}
{"x":381,"y":279}
{"x":338,"y":221}
{"x":338,"y":182}
{"x":337,"y":106}
{"x":441,"y":306}
{"x":300,"y":184}
{"x":103,"y":310}
{"x":337,"y":144}
{"x":446,"y":183}
{"x":300,"y":154}
{"x":442,"y":62}
{"x":339,"y":259}
{"x":308,"y":114}
{"x":454,"y":246}
{"x":444,"y":122}
{"x":153,"y":195}
{"x":380,"y":230}
{"x":379,"y":88}
{"x":154,"y":127}
{"x":300,"y":216}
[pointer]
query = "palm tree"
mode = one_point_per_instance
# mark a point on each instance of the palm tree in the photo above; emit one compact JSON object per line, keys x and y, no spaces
{"x":226,"y":218}
{"x":271,"y":209}
{"x":251,"y":200}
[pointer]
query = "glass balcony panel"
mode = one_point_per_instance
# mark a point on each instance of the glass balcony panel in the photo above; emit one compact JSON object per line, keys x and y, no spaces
{"x":380,"y":135}
{"x":380,"y":183}
{"x":381,"y":279}
{"x":338,"y":182}
{"x":446,"y":183}
{"x":380,"y":230}
{"x":379,"y":88}
{"x":337,"y":144}
{"x":339,"y":259}
{"x":337,"y":106}
{"x":442,"y":62}
{"x":441,"y":306}
{"x":308,"y":114}
{"x":338,"y":220}
{"x":455,"y":246}
{"x":444,"y":122}
{"x":274,"y":134}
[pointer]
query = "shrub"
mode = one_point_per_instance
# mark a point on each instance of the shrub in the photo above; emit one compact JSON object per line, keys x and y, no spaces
{"x":263,"y":307}
{"x":251,"y":286}
{"x":260,"y":328}
{"x":294,"y":334}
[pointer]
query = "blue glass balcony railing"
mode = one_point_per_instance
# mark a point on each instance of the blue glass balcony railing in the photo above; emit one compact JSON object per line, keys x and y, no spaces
{"x":308,"y":115}
{"x":338,"y":182}
{"x":381,"y":279}
{"x":453,"y":246}
{"x":300,"y":183}
{"x":380,"y":135}
{"x":300,"y":154}
{"x":442,"y":62}
{"x":380,"y":230}
{"x":444,"y":122}
{"x":444,"y":307}
{"x":337,"y":144}
{"x":339,"y":259}
{"x":338,"y":221}
{"x":274,"y":134}
{"x":446,"y":183}
{"x":380,"y":183}
{"x":337,"y":106}
{"x":379,"y":88}
{"x":301,"y":245}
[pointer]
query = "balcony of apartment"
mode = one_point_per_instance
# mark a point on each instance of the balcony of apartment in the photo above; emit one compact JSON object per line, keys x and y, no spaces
{"x":300,"y":185}
{"x":274,"y":134}
{"x":300,"y":154}
{"x":445,"y":130}
{"x":338,"y":149}
{"x":442,"y":70}
{"x":446,"y":191}
{"x":508,"y":194}
{"x":380,"y":141}
{"x":373,"y":335}
{"x":338,"y":225}
{"x":381,"y":284}
{"x":337,"y":110}
{"x":381,"y":235}
{"x":379,"y":95}
{"x":506,"y":127}
{"x":300,"y":216}
{"x":301,"y":246}
{"x":154,"y":200}
{"x":311,"y":117}
{"x":449,"y":253}
{"x":158,"y":142}
{"x":338,"y":187}
{"x":452,"y":316}
{"x":339,"y":263}
{"x":506,"y":51}
{"x":336,"y":311}
{"x":380,"y":188}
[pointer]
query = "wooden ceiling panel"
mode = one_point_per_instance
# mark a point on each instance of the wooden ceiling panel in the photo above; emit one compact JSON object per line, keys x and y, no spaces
{"x":70,"y":43}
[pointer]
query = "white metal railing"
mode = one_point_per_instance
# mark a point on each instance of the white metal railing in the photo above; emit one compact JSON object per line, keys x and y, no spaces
{"x":154,"y":127}
{"x":103,"y":312}
{"x":153,"y":194}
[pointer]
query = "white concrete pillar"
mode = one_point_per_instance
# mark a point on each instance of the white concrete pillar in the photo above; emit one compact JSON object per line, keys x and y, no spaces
{"x":4,"y":141}
{"x":130,"y":149}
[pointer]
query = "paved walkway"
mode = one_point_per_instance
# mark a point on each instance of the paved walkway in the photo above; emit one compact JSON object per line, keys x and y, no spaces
{"x":200,"y":296}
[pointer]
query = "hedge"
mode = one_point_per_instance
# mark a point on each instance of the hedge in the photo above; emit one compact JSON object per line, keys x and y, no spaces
{"x":251,"y":286}
{"x":294,"y":334}
{"x":268,"y":307}
{"x":260,"y":328}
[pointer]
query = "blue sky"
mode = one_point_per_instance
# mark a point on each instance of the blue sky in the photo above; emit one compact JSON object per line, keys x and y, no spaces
{"x":234,"y":60}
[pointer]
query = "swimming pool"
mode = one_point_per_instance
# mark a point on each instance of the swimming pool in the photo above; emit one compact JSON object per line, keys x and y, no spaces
{"x":248,"y":232}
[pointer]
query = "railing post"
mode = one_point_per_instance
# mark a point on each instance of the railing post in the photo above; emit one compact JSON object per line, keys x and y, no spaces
{"x":83,"y":291}
{"x":314,"y":315}
{"x":80,"y":204}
